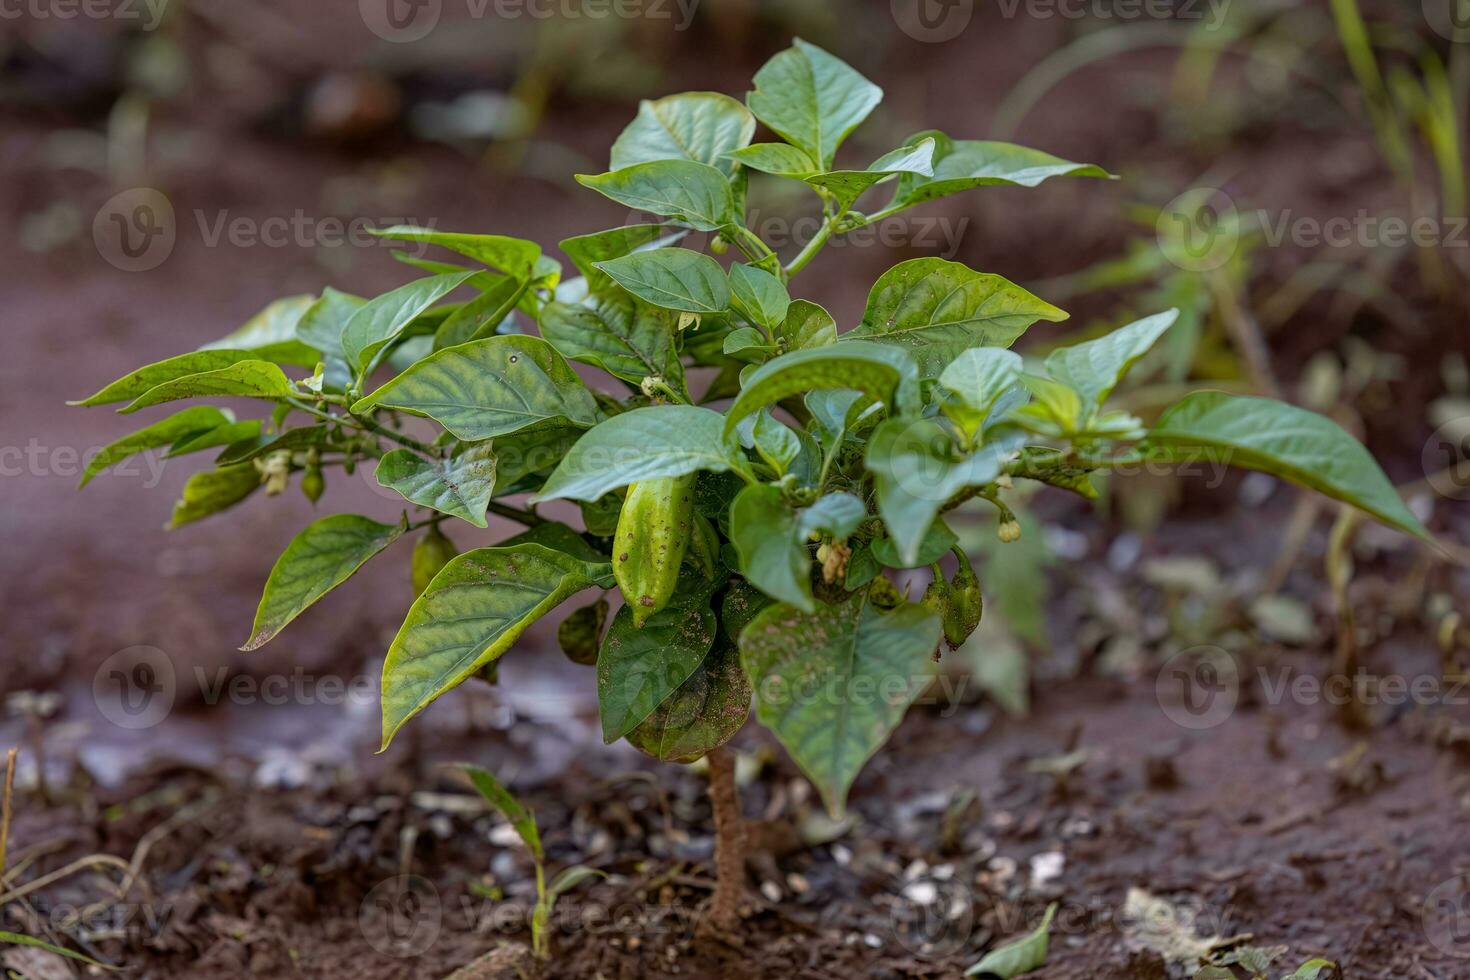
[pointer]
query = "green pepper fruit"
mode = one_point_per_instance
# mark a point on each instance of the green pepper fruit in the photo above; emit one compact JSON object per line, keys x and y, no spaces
{"x":936,"y":598}
{"x":313,"y":483}
{"x":654,"y":528}
{"x":966,"y":605}
{"x":580,"y":634}
{"x":704,"y":547}
{"x":430,"y":555}
{"x":884,"y":594}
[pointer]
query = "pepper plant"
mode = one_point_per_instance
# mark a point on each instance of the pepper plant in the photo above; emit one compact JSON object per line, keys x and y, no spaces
{"x":747,"y":474}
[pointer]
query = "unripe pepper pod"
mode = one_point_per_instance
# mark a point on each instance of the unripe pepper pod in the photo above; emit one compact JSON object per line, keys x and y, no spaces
{"x":313,"y":483}
{"x":430,"y":555}
{"x":966,"y":605}
{"x":654,"y":528}
{"x":884,"y":594}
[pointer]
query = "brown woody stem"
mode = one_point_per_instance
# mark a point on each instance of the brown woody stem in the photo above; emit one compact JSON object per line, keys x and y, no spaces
{"x":724,"y":910}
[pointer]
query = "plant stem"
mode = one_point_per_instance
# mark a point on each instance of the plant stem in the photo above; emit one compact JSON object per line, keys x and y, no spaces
{"x":5,"y":810}
{"x":814,"y":246}
{"x":526,"y":517}
{"x":724,"y":910}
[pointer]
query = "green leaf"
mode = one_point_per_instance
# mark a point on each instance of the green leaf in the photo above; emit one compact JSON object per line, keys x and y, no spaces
{"x":704,"y":712}
{"x":759,"y":295}
{"x":774,"y":442}
{"x":322,"y":324}
{"x":916,"y":470}
{"x":221,"y":435}
{"x":938,"y":309}
{"x":693,"y":194}
{"x":315,"y":436}
{"x":523,"y":457}
{"x":523,"y":820}
{"x":515,"y":257}
{"x":1283,"y":440}
{"x":646,"y":443}
{"x":812,"y":100}
{"x":837,"y":514}
{"x":765,"y":531}
{"x":960,"y":165}
{"x":779,"y":159}
{"x":321,"y":327}
{"x":848,"y":185}
{"x":460,"y":486}
{"x":151,"y":376}
{"x":482,"y":316}
{"x":1022,"y":956}
{"x":637,"y":669}
{"x":1311,"y":970}
{"x":586,"y":251}
{"x":187,"y":424}
{"x":558,"y":537}
{"x":700,"y":126}
{"x":807,"y":325}
{"x":272,"y":335}
{"x":833,"y":684}
{"x":244,"y":379}
{"x":324,"y":555}
{"x":213,"y":491}
{"x":672,"y":278}
{"x":472,"y":612}
{"x":569,"y":878}
{"x":381,"y":320}
{"x":615,"y":332}
{"x":17,"y":939}
{"x":1094,"y":368}
{"x":976,"y":379}
{"x":490,"y":387}
{"x":937,"y":541}
{"x":886,"y":374}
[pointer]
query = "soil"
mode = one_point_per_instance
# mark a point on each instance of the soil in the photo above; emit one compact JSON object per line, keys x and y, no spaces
{"x":268,"y":840}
